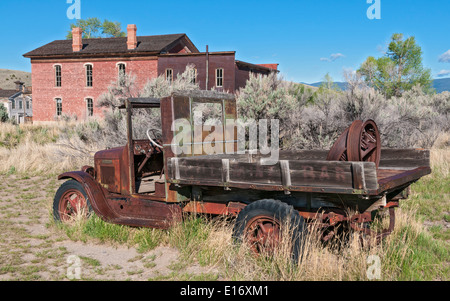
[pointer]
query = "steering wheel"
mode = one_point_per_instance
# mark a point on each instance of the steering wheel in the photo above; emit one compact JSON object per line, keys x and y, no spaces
{"x":153,"y":141}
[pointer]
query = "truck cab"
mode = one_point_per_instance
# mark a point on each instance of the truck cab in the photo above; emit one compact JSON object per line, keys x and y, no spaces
{"x":128,"y":184}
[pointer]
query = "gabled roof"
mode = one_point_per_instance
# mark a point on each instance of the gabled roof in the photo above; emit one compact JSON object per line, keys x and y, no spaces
{"x":145,"y":44}
{"x":7,"y":93}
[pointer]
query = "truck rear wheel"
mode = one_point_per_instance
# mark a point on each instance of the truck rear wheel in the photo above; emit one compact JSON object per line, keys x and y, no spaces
{"x":263,"y":223}
{"x":70,"y":201}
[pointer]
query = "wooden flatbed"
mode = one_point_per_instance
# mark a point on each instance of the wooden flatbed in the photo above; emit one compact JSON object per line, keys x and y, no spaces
{"x":306,"y":172}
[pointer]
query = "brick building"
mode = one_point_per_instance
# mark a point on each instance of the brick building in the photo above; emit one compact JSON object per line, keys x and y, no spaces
{"x":69,"y":76}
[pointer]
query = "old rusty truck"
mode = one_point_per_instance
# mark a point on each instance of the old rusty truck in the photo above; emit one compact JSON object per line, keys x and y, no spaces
{"x":148,"y":183}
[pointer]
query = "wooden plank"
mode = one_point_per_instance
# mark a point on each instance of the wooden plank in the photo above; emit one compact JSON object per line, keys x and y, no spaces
{"x":402,"y":178}
{"x":225,"y":170}
{"x":359,"y":181}
{"x":175,"y":169}
{"x":285,"y":175}
{"x":404,"y":158}
{"x":343,"y":175}
{"x":302,"y":155}
{"x":321,"y":173}
{"x":255,"y":173}
{"x":200,"y":169}
{"x":370,"y":176}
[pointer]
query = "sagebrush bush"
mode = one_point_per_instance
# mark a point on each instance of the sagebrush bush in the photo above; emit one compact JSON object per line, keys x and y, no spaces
{"x":312,"y":120}
{"x":111,"y":131}
{"x":308,"y":119}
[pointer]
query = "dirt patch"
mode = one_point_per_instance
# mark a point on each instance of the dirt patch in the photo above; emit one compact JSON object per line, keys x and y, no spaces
{"x":32,"y":248}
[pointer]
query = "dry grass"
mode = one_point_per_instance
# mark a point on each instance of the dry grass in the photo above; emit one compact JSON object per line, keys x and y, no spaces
{"x":345,"y":259}
{"x":440,"y":155}
{"x":408,"y":253}
{"x":34,"y":149}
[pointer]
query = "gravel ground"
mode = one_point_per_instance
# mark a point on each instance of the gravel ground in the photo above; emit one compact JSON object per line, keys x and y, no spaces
{"x":33,"y":248}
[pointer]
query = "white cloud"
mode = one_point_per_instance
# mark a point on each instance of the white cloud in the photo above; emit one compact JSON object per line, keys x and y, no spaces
{"x":335,"y":56}
{"x":332,"y":57}
{"x":443,"y":73}
{"x":445,"y":57}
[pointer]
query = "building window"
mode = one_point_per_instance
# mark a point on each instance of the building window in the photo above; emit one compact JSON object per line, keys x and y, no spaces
{"x":90,"y":107}
{"x":20,"y":105}
{"x":58,"y":75}
{"x":89,"y":76}
{"x":28,"y":104}
{"x":122,"y":69}
{"x":13,"y":104}
{"x":58,"y":107}
{"x":193,"y":75}
{"x":169,"y":75}
{"x":219,"y":77}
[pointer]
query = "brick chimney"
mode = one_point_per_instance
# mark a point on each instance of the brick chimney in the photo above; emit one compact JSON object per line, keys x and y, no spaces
{"x":20,"y":86}
{"x":132,"y":39}
{"x":77,"y":39}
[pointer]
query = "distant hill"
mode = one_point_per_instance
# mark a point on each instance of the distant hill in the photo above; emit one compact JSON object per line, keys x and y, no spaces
{"x":441,"y":85}
{"x":8,"y":77}
{"x":341,"y":85}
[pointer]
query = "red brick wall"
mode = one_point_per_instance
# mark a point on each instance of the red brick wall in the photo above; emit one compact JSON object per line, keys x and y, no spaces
{"x":74,"y":91}
{"x":179,"y":62}
{"x":243,"y":74}
{"x":241,"y":77}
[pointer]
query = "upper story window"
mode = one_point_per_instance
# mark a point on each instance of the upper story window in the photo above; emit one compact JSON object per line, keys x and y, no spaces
{"x":122,"y":69}
{"x":90,"y":107}
{"x":20,"y":104}
{"x":28,"y":104}
{"x":219,"y":77}
{"x":58,"y":73}
{"x":169,"y":75}
{"x":89,"y":75}
{"x":58,"y":106}
{"x":13,"y":104}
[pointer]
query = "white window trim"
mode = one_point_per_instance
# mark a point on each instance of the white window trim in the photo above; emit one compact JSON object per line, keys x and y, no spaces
{"x":171,"y":80}
{"x":87,"y":108}
{"x":118,"y":69}
{"x":223,"y":76}
{"x":54,"y":73}
{"x":56,"y":106}
{"x":85,"y":75}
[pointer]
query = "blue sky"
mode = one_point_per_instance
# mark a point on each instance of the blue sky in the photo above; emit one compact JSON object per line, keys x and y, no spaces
{"x":308,"y":38}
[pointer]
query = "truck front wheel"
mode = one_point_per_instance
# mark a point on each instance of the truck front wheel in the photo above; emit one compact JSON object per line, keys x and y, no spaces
{"x":71,"y":201}
{"x":269,"y":226}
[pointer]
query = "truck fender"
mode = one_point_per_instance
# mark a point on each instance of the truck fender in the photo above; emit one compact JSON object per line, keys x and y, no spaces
{"x":95,"y":193}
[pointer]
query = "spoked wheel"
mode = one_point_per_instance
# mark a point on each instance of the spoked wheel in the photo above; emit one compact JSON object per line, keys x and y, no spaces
{"x":370,"y":143}
{"x":360,"y":142}
{"x":263,"y":234}
{"x":339,"y":150}
{"x":71,"y":201}
{"x":262,"y":224}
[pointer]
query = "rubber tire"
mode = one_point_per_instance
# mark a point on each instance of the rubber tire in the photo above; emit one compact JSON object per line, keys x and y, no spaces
{"x":71,"y":184}
{"x":281,"y":212}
